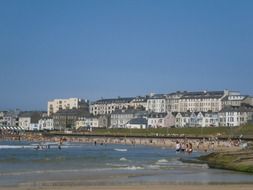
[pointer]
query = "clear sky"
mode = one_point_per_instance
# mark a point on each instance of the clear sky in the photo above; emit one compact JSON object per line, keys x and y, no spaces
{"x":109,"y":48}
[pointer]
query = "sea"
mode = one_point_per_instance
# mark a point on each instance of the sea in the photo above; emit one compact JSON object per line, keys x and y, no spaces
{"x":21,"y":163}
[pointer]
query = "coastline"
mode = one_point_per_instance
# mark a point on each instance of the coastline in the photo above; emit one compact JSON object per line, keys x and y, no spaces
{"x":137,"y":187}
{"x":208,"y":145}
{"x":241,"y":161}
{"x":220,"y":154}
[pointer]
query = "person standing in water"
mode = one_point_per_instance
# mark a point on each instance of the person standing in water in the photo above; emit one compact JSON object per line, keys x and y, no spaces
{"x":178,"y":146}
{"x":190,"y":150}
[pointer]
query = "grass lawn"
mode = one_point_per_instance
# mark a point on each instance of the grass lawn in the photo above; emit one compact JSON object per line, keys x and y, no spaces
{"x":246,"y":131}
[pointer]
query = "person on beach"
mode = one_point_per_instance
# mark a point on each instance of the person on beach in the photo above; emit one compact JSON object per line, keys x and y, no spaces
{"x":190,"y":150}
{"x":178,"y":146}
{"x":187,"y":147}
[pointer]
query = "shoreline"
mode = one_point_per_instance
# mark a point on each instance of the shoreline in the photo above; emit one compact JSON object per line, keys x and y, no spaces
{"x":138,"y":187}
{"x":221,"y":154}
{"x":202,"y":145}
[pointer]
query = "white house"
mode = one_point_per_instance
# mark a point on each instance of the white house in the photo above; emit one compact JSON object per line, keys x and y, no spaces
{"x":160,"y":120}
{"x":46,"y":123}
{"x":24,"y":122}
{"x":30,"y":120}
{"x":207,"y":119}
{"x":235,"y":116}
{"x":87,"y":122}
{"x":157,"y":103}
{"x":183,"y":119}
{"x":119,"y":118}
{"x":137,"y":123}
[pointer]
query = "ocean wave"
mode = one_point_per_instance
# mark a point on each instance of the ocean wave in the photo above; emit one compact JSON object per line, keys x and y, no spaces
{"x":133,"y":168}
{"x":123,"y":159}
{"x":120,"y":149}
{"x":16,"y":146}
{"x":116,"y":165}
{"x":38,"y":172}
{"x":153,"y":167}
{"x":162,"y":161}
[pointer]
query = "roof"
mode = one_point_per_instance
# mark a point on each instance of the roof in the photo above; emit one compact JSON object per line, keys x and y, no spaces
{"x":140,"y":99}
{"x":185,"y":114}
{"x":203,"y":95}
{"x":157,"y":96}
{"x":243,"y":108}
{"x":129,"y":111}
{"x":229,"y":98}
{"x":34,"y":115}
{"x":75,"y":112}
{"x":140,"y":121}
{"x":157,"y":115}
{"x":114,"y":100}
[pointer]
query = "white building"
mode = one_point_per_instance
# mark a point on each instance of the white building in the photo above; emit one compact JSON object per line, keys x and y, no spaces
{"x":24,"y":122}
{"x":137,"y":123}
{"x":87,"y":122}
{"x":139,"y":102}
{"x":235,"y":116}
{"x":207,"y":119}
{"x":9,"y":118}
{"x":120,"y":117}
{"x":160,"y":120}
{"x":30,"y":120}
{"x":157,"y":103}
{"x":172,"y":101}
{"x":236,"y":100}
{"x":183,"y":119}
{"x":63,"y":104}
{"x":107,"y":106}
{"x":202,"y":101}
{"x":46,"y":123}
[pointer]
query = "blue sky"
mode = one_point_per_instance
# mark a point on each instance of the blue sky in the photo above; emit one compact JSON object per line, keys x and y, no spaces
{"x":92,"y":49}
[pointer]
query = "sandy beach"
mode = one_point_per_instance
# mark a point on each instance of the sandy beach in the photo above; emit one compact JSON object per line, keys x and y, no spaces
{"x":207,"y":145}
{"x":138,"y":187}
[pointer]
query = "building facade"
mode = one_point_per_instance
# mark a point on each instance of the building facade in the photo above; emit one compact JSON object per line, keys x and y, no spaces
{"x":107,"y":106}
{"x":65,"y":119}
{"x":120,"y":117}
{"x":30,"y":120}
{"x":139,"y":102}
{"x":137,"y":123}
{"x":9,"y":118}
{"x":46,"y":123}
{"x":161,"y":120}
{"x":201,"y":101}
{"x":183,"y":119}
{"x":232,"y":116}
{"x":63,"y":104}
{"x":87,"y":122}
{"x":157,"y":103}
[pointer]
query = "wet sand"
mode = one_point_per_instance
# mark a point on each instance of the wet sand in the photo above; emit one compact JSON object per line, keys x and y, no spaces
{"x":139,"y":187}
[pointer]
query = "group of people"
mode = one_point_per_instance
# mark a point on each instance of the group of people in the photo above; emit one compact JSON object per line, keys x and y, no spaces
{"x":184,"y":147}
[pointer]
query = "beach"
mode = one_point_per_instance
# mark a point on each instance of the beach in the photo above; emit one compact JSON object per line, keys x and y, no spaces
{"x":206,"y":144}
{"x":97,"y":163}
{"x":138,"y":187}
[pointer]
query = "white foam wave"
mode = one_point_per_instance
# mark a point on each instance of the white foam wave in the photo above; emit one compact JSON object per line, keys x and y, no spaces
{"x":153,"y":167}
{"x":123,"y":159}
{"x":120,"y":149}
{"x":162,"y":161}
{"x":16,"y":146}
{"x":133,"y":168}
